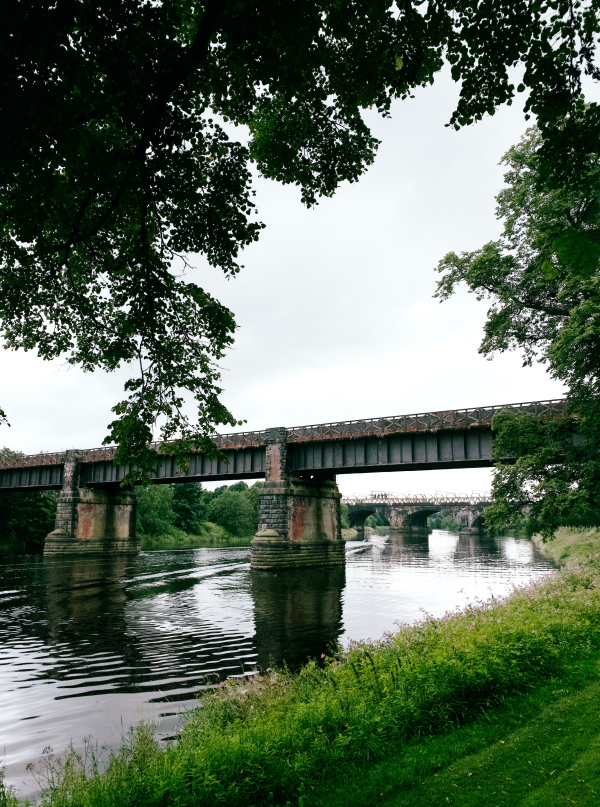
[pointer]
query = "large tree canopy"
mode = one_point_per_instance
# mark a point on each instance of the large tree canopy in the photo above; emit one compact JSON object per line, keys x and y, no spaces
{"x":543,"y":278}
{"x":115,"y":165}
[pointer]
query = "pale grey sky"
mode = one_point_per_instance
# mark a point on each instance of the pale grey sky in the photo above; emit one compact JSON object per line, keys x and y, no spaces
{"x":334,"y":305}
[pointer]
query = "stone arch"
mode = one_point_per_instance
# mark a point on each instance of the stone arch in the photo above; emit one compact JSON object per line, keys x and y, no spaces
{"x":383,"y":513}
{"x":418,"y":519}
{"x":358,"y":516}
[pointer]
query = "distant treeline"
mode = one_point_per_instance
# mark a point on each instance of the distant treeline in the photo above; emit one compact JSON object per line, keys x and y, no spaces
{"x":439,"y":521}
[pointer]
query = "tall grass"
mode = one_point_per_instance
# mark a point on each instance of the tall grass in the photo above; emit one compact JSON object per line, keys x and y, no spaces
{"x":270,"y":740}
{"x":570,"y":544}
{"x":8,"y":796}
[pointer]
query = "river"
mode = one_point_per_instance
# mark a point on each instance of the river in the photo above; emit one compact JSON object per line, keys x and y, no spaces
{"x":89,"y":646}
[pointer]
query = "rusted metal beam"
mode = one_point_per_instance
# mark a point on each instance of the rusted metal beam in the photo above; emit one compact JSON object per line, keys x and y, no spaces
{"x":458,"y":438}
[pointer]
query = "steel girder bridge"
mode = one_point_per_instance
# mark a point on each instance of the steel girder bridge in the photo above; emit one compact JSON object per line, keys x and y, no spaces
{"x":299,"y":504}
{"x":458,"y":438}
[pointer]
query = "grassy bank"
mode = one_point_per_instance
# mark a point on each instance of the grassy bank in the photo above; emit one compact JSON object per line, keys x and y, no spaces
{"x":208,"y":535}
{"x":420,"y":717}
{"x":570,"y":545}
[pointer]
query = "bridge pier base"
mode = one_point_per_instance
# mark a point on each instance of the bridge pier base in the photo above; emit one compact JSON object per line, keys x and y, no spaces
{"x":299,"y":519}
{"x":92,"y":521}
{"x":360,"y":531}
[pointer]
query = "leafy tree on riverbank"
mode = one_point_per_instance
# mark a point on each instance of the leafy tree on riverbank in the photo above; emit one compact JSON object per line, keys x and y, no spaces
{"x":155,"y":512}
{"x":543,"y":278}
{"x":26,"y":517}
{"x":440,"y":521}
{"x":236,"y":509}
{"x":189,"y":505}
{"x":169,"y":509}
{"x":116,"y":165}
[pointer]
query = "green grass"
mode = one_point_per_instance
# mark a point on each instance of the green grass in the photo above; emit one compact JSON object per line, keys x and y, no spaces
{"x":211,"y":535}
{"x":570,"y":544}
{"x":481,"y":691}
{"x":541,"y":748}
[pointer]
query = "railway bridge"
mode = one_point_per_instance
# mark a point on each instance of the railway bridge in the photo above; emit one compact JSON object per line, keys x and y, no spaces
{"x":409,"y":513}
{"x":299,"y":511}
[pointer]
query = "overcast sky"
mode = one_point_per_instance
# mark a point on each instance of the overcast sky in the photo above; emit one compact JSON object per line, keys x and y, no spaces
{"x":334,"y":305}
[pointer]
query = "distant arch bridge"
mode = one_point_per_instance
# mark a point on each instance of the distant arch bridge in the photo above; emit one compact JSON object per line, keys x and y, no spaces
{"x":409,"y":512}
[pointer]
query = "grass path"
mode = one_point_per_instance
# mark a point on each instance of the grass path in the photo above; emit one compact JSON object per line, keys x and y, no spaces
{"x":553,"y":759}
{"x":541,"y":749}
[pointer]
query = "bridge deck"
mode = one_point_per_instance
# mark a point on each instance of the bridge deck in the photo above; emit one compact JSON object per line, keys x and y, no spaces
{"x":460,"y":438}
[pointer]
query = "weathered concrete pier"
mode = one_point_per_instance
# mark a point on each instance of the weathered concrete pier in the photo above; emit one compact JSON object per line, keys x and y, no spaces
{"x":92,"y":521}
{"x":298,"y":518}
{"x":299,"y":511}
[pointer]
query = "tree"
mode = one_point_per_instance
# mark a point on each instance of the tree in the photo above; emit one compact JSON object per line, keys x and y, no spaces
{"x":543,"y":277}
{"x":189,"y":506}
{"x":26,"y":516}
{"x":236,"y":509}
{"x":117,"y":163}
{"x":155,"y":513}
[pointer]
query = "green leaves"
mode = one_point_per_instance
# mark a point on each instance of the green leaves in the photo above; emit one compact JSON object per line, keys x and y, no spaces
{"x":579,"y":250}
{"x":114,"y":169}
{"x":543,"y":280}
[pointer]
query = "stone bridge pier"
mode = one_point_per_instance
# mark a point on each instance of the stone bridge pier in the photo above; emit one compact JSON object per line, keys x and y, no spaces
{"x":90,"y":520}
{"x":299,"y":516}
{"x":470,"y":519}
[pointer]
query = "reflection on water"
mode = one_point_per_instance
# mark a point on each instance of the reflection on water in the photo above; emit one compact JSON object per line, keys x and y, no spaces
{"x":90,"y":645}
{"x":295,"y":621}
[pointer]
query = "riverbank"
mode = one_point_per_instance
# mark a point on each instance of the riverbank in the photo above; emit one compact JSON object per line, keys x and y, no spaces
{"x":570,"y":545}
{"x":389,"y":721}
{"x":209,"y":535}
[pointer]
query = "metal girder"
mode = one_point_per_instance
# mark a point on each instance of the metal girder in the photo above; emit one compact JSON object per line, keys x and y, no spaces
{"x":32,"y":477}
{"x":459,"y":438}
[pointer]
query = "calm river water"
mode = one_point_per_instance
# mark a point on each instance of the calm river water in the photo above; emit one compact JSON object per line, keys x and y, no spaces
{"x":89,"y":646}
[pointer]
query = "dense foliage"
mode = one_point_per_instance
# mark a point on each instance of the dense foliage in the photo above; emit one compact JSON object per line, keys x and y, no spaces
{"x":270,"y":740}
{"x":440,"y":521}
{"x":118,"y":163}
{"x":543,"y":277}
{"x":26,"y":517}
{"x":164,"y":510}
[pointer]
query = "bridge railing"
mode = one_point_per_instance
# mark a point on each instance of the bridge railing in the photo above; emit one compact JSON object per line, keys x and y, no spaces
{"x":223,"y":441}
{"x":425,"y":421}
{"x":380,"y":497}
